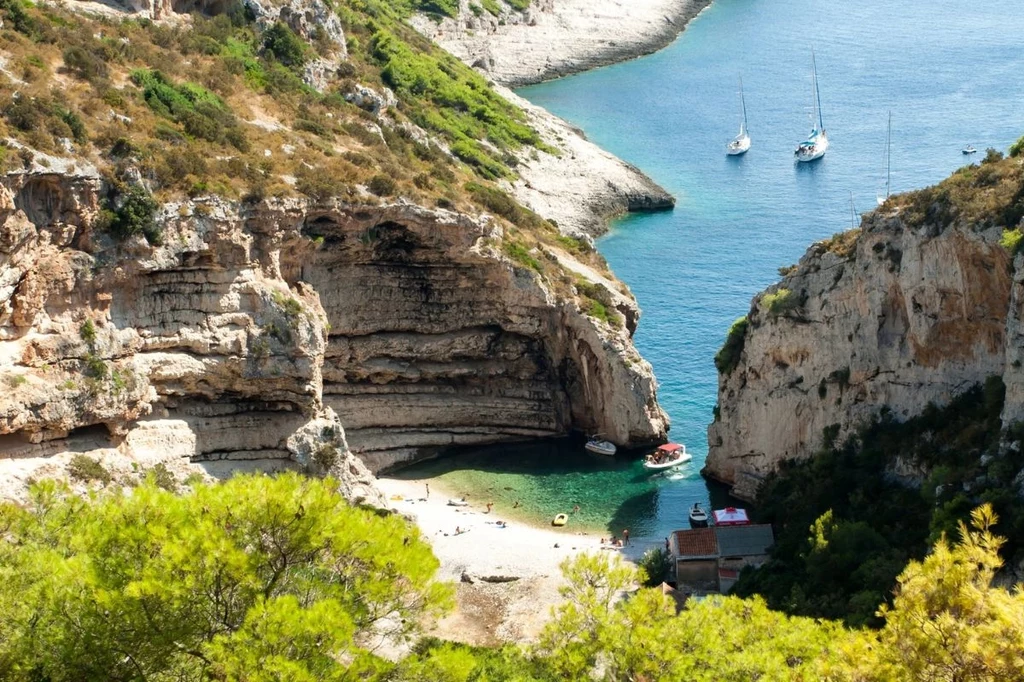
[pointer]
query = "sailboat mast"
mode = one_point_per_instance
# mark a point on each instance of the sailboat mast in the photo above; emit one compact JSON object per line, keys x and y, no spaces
{"x":853,"y":212}
{"x":888,"y":154}
{"x":743,"y":104}
{"x":817,"y":95}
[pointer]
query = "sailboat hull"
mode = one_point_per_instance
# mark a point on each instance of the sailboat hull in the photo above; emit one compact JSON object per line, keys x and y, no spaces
{"x":806,"y":153}
{"x":738,"y":146}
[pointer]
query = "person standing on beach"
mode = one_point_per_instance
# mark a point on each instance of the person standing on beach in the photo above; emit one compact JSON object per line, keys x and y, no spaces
{"x":428,"y":490}
{"x":625,"y":537}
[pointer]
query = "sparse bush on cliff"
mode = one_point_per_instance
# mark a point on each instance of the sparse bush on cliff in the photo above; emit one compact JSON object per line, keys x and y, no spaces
{"x":1011,"y":240}
{"x":780,"y":302}
{"x":728,"y":356}
{"x":85,"y":469}
{"x":1017,"y":147}
{"x":286,"y":47}
{"x":133,"y":214}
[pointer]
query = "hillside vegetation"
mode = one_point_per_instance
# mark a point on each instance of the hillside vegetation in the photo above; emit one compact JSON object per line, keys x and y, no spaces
{"x":260,"y":579}
{"x":222,"y":105}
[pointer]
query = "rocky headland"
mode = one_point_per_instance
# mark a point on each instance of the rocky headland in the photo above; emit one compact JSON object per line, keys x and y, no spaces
{"x":342,"y":334}
{"x":919,"y":305}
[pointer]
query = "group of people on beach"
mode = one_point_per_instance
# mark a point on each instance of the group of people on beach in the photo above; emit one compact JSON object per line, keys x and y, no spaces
{"x":614,"y":540}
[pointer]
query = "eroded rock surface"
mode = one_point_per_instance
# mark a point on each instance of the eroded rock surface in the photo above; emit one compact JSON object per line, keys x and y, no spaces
{"x":261,"y":335}
{"x":896,"y":318}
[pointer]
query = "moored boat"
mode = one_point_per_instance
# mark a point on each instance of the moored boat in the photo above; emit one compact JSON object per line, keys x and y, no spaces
{"x":741,"y":143}
{"x":560,"y":520}
{"x":600,"y":447}
{"x":816,"y":144}
{"x":698,"y":517}
{"x":968,"y":150}
{"x":667,"y":456}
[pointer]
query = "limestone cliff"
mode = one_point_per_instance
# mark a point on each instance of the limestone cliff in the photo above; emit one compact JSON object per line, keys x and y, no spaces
{"x":920,"y":304}
{"x":261,"y":334}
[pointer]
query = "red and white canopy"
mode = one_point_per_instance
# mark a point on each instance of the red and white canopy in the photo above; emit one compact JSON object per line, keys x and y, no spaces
{"x":731,"y":516}
{"x":669,"y":448}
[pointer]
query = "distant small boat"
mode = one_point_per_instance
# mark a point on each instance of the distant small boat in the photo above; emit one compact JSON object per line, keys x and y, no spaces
{"x":741,"y":143}
{"x":968,"y":150}
{"x":816,"y":144}
{"x":600,"y":447}
{"x":698,"y":517}
{"x":667,"y":456}
{"x":560,"y":520}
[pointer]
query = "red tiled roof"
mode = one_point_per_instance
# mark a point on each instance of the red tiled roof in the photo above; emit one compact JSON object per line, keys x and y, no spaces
{"x":697,"y":542}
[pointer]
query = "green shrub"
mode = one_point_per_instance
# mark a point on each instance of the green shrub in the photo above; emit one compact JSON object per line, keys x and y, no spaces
{"x":1017,"y":147}
{"x":656,"y":564}
{"x":780,"y":302}
{"x":85,"y":64}
{"x":162,"y":477}
{"x":200,"y":112}
{"x":134,"y":215}
{"x":728,"y":357}
{"x":286,"y":47}
{"x":1011,"y":240}
{"x":491,"y":6}
{"x":382,"y":185}
{"x":521,"y":254}
{"x":85,"y":469}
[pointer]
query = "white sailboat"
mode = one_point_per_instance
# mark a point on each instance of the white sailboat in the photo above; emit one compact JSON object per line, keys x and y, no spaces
{"x":741,"y":143}
{"x":816,"y":144}
{"x":888,"y":163}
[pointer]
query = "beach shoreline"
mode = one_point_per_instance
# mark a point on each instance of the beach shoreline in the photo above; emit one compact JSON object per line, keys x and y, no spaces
{"x":484,"y":549}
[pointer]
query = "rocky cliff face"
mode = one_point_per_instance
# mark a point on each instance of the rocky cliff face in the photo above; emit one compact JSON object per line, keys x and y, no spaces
{"x":260,"y":335}
{"x":915,"y":308}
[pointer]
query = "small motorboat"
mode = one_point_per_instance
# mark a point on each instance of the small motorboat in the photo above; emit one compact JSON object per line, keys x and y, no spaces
{"x":458,"y":503}
{"x":600,"y":447}
{"x":731,"y":516}
{"x":698,"y":517}
{"x":968,"y":150}
{"x":667,"y":456}
{"x":560,"y":520}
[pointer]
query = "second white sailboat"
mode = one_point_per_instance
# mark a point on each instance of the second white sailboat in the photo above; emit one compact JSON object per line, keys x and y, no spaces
{"x":741,"y":143}
{"x":816,"y":144}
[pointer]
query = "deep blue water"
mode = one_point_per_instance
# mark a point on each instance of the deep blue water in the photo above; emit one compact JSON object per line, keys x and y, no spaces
{"x":952,"y":73}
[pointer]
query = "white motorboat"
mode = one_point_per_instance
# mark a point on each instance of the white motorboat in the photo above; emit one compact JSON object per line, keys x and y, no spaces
{"x":888,"y":148}
{"x":816,"y":144}
{"x":741,"y":143}
{"x":698,"y":517}
{"x":667,"y":456}
{"x":600,"y":447}
{"x":968,"y":150}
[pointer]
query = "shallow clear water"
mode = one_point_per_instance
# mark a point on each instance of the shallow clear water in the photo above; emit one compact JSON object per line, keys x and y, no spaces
{"x":952,"y":73}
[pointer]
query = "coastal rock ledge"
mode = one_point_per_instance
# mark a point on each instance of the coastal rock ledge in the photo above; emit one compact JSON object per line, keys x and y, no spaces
{"x":916,"y":307}
{"x":340,"y":338}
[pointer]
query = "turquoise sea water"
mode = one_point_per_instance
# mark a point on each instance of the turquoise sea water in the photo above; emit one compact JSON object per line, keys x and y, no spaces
{"x":952,"y":73}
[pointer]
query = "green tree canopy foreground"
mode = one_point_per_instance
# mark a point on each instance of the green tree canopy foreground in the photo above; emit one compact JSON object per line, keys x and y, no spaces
{"x":948,"y":623}
{"x":255,"y":579}
{"x":266,"y":579}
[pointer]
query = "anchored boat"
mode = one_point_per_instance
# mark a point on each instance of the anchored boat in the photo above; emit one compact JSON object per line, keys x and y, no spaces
{"x":816,"y":144}
{"x":698,"y":517}
{"x":599,"y":446}
{"x":741,"y":143}
{"x":667,"y":456}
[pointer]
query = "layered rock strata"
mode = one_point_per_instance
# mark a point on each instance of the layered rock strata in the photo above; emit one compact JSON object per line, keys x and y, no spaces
{"x":895,"y":317}
{"x":258,"y":335}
